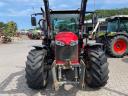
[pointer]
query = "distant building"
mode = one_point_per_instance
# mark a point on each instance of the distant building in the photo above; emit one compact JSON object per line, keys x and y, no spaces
{"x":102,"y":25}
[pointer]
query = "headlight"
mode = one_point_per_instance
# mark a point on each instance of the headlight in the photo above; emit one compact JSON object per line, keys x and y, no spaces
{"x":73,"y":43}
{"x":60,"y":43}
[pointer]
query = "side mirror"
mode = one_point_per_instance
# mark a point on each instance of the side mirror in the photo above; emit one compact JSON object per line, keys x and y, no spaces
{"x":33,"y":21}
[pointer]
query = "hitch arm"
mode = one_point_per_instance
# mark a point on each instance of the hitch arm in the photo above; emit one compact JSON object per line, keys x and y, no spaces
{"x":83,"y":72}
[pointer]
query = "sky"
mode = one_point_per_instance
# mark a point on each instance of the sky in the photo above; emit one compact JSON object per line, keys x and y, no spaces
{"x":21,"y":10}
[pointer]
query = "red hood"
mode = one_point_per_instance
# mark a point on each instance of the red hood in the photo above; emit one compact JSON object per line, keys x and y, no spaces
{"x":66,"y":37}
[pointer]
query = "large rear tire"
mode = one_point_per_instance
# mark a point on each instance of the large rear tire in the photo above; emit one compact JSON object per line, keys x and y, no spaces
{"x":97,"y":68}
{"x":36,"y":75}
{"x":117,"y":46}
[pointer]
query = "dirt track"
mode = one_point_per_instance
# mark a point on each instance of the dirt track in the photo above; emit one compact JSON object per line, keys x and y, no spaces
{"x":12,"y":75}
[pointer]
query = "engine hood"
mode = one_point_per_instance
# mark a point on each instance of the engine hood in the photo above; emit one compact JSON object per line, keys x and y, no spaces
{"x":66,"y":37}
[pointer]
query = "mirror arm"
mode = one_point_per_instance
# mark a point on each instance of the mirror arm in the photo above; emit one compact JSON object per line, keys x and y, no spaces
{"x":40,"y":22}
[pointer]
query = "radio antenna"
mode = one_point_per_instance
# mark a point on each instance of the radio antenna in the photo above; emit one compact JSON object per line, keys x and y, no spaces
{"x":33,"y":10}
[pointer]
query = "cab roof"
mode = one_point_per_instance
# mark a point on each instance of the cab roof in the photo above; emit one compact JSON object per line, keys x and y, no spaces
{"x":117,"y":17}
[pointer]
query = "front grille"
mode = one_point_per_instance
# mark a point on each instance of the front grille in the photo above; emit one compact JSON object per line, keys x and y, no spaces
{"x":66,"y":52}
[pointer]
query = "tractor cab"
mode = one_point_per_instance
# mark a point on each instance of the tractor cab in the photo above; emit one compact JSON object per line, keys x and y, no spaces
{"x":64,"y":22}
{"x":118,"y":23}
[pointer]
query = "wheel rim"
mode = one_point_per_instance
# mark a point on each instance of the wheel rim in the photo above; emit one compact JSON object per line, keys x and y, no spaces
{"x":120,"y":46}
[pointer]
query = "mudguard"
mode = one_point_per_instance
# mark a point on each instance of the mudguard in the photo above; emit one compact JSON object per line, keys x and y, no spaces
{"x":92,"y":44}
{"x":95,"y":45}
{"x":40,"y":47}
{"x":112,"y":34}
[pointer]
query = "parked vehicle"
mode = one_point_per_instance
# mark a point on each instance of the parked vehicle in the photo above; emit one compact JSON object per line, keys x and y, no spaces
{"x":115,"y":39}
{"x":34,"y":34}
{"x":66,"y":52}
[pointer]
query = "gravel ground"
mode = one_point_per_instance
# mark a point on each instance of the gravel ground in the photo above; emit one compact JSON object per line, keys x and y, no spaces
{"x":12,"y":75}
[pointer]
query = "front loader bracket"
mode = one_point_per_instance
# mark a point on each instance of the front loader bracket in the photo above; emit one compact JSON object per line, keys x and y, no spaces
{"x":82,"y":76}
{"x":55,"y":81}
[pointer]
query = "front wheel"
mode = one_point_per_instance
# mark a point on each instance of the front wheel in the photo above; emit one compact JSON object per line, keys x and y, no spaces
{"x":97,"y":68}
{"x":36,"y":75}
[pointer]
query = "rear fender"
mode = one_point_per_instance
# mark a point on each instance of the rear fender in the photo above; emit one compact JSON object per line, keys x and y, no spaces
{"x":118,"y":33}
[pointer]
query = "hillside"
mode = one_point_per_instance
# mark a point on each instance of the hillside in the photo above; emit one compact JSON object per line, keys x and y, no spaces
{"x":106,"y":13}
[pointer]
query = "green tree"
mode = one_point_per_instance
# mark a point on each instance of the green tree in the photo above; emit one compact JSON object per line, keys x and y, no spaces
{"x":10,"y":29}
{"x":2,"y":25}
{"x":108,"y":12}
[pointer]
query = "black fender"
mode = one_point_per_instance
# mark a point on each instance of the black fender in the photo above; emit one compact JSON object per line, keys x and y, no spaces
{"x":91,"y":46}
{"x":123,"y":33}
{"x":95,"y":45}
{"x":40,"y":47}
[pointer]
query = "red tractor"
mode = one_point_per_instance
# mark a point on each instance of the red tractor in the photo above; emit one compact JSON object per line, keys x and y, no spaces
{"x":65,"y":52}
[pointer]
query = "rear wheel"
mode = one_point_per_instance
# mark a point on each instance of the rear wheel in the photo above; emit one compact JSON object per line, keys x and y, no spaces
{"x":97,"y":68}
{"x":118,"y":46}
{"x":36,"y":75}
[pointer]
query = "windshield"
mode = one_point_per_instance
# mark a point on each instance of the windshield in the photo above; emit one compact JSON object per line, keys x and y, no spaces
{"x":123,"y":25}
{"x":64,"y":22}
{"x":117,"y":26}
{"x":112,"y":26}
